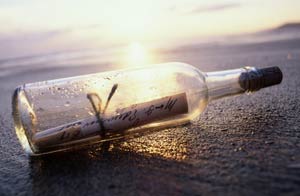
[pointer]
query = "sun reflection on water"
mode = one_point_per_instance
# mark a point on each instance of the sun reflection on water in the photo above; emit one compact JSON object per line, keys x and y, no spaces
{"x":136,"y":54}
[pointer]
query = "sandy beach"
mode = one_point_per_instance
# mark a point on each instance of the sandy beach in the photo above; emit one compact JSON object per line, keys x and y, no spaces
{"x":242,"y":145}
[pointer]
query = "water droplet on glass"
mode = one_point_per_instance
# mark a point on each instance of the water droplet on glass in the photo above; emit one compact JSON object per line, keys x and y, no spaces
{"x":67,"y":104}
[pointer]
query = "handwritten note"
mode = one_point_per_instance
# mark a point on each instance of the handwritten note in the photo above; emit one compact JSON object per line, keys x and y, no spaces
{"x":125,"y":118}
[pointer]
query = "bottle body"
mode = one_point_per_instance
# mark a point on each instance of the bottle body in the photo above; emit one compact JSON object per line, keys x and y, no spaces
{"x":60,"y":114}
{"x":72,"y":112}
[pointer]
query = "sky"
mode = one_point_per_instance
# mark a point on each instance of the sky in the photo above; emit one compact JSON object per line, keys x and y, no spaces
{"x":35,"y":26}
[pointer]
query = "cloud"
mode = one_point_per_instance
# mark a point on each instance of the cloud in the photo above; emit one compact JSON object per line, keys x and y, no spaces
{"x":213,"y":8}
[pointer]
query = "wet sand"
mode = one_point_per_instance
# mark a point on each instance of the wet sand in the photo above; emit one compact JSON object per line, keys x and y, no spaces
{"x":243,"y":145}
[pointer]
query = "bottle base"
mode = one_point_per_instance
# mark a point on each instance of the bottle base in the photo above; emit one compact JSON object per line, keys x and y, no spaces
{"x":18,"y":100}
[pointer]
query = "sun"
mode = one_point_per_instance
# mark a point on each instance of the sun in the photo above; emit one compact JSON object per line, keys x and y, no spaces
{"x":138,"y":55}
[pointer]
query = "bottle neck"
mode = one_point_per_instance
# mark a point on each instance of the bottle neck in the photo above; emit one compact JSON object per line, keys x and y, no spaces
{"x":224,"y":83}
{"x":236,"y":81}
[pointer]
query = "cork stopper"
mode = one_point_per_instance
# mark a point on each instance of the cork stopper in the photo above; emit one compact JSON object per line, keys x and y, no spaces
{"x":254,"y":79}
{"x":270,"y":76}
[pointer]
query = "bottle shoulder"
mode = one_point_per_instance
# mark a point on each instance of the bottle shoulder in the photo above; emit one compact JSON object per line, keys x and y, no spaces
{"x":185,"y":67}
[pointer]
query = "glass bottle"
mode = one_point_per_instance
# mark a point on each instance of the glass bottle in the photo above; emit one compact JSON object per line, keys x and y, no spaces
{"x":73,"y":112}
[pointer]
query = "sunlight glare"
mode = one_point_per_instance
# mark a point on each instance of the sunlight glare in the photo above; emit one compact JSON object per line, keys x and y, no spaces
{"x":137,"y":54}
